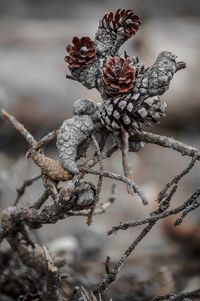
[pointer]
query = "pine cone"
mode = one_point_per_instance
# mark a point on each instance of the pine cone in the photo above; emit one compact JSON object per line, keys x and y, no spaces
{"x":155,"y":80}
{"x":129,"y":111}
{"x":118,"y":76}
{"x":30,"y":297}
{"x":82,"y":53}
{"x":123,"y":22}
{"x":122,"y":18}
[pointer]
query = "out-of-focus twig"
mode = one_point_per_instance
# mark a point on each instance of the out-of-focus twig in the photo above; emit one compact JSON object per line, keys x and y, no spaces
{"x":21,"y":190}
{"x":179,"y":297}
{"x":20,"y":128}
{"x":52,"y":275}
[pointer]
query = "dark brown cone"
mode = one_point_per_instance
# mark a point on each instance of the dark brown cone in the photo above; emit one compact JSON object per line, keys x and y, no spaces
{"x":30,"y":297}
{"x":129,"y":111}
{"x":122,"y":19}
{"x":81,"y":53}
{"x":118,"y":76}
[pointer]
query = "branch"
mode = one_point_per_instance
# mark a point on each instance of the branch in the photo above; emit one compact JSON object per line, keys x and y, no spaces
{"x":119,"y":178}
{"x":20,"y":128}
{"x":165,"y":141}
{"x":52,"y":275}
{"x":113,"y":273}
{"x":176,"y":179}
{"x":147,"y":220}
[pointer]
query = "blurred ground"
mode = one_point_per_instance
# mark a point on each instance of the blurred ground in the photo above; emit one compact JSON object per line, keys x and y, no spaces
{"x":33,"y":35}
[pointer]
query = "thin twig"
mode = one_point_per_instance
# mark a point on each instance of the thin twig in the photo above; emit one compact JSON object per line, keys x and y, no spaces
{"x":107,"y":265}
{"x":176,"y":179}
{"x":44,"y":141}
{"x":185,"y":213}
{"x":103,"y":285}
{"x":128,"y":172}
{"x":21,"y":190}
{"x":164,"y":205}
{"x":119,"y":178}
{"x":147,"y":220}
{"x":99,"y":184}
{"x":20,"y":128}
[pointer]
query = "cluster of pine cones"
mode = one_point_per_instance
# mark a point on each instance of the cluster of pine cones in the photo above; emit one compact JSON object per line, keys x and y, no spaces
{"x":130,"y":92}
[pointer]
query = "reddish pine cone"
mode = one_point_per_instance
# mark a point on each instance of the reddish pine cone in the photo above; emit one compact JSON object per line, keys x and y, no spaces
{"x":123,"y":18}
{"x":118,"y":76}
{"x":82,"y":53}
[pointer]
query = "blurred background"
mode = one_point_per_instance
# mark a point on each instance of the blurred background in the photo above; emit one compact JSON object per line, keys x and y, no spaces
{"x":33,"y":87}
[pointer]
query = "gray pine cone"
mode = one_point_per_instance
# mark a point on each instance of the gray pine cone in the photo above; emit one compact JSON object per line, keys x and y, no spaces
{"x":87,"y":75}
{"x":129,"y":111}
{"x":156,"y":79}
{"x":71,"y":134}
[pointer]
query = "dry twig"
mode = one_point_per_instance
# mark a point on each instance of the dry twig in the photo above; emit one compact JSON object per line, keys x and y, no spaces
{"x":128,"y":172}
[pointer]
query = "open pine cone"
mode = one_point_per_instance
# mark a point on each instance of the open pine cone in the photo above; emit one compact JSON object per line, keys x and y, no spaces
{"x":81,"y":53}
{"x":118,"y":76}
{"x":114,"y":29}
{"x":123,"y":18}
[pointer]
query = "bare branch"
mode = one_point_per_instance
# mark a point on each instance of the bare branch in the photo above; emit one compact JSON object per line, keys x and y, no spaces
{"x":190,"y":208}
{"x":165,"y":141}
{"x":176,"y":179}
{"x":52,"y":275}
{"x":147,"y":220}
{"x":119,"y":178}
{"x":20,"y":128}
{"x":113,"y":273}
